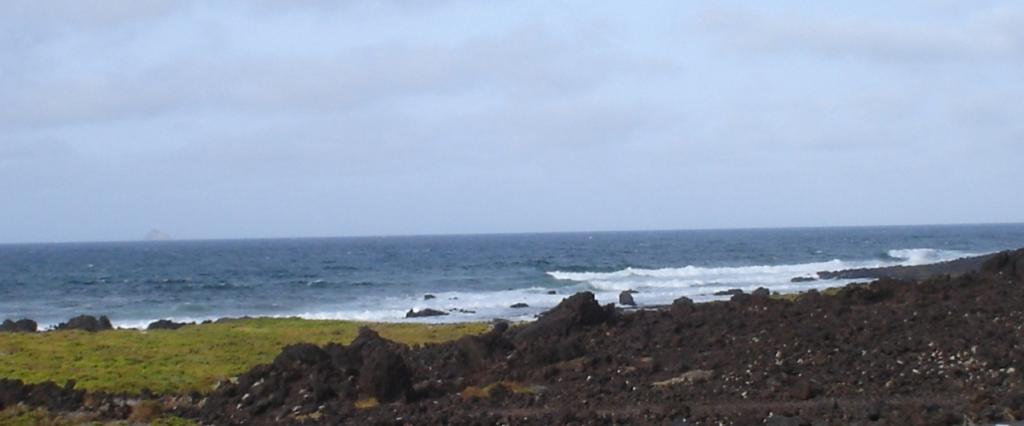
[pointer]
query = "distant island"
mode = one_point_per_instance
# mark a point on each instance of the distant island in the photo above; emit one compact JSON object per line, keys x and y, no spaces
{"x":156,"y":235}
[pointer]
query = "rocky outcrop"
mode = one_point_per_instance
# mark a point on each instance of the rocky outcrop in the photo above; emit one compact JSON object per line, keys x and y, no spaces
{"x":19,"y":326}
{"x":920,"y":272}
{"x":575,"y":312}
{"x":166,"y":325}
{"x":86,"y":323}
{"x":626,"y":298}
{"x":1009,"y":264}
{"x":46,"y":394}
{"x":422,"y":313}
{"x":730,"y":292}
{"x":305,"y":378}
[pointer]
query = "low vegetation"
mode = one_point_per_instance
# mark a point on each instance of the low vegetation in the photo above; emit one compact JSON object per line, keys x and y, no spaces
{"x":193,"y":358}
{"x":23,"y":416}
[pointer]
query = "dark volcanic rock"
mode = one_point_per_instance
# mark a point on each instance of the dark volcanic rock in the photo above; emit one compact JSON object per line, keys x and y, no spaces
{"x":383,"y":373}
{"x":19,"y":326}
{"x":46,"y":394}
{"x":1006,"y":263}
{"x":166,"y":325}
{"x":626,"y":298}
{"x":802,"y":279}
{"x":552,"y":292}
{"x":305,"y":378}
{"x":519,"y":305}
{"x":953,"y":268}
{"x":682,"y":305}
{"x":424,"y":313}
{"x":784,"y":421}
{"x":86,"y":323}
{"x":429,"y":296}
{"x":730,"y":292}
{"x":941,"y":351}
{"x":761,"y":292}
{"x":576,"y":311}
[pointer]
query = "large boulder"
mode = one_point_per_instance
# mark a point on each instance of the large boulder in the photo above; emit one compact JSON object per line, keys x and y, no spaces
{"x":476,"y":352}
{"x":383,"y":373}
{"x":729,"y":292}
{"x":424,"y":313}
{"x":86,"y":323}
{"x":19,"y":326}
{"x":626,"y":298}
{"x":308,"y":377}
{"x":1007,"y":263}
{"x":301,"y":355}
{"x":576,"y":311}
{"x":46,"y":394}
{"x":165,"y":325}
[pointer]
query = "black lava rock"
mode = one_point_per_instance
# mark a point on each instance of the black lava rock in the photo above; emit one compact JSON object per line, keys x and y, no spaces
{"x":424,"y":313}
{"x":86,"y":323}
{"x":19,"y":326}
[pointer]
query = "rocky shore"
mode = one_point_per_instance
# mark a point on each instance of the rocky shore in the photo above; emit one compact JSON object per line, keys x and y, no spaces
{"x":944,"y":350}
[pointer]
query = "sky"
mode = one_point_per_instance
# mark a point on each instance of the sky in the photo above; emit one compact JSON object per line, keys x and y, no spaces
{"x":254,"y":119}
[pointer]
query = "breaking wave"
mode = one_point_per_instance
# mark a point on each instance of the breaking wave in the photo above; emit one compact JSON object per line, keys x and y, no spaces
{"x":705,"y":281}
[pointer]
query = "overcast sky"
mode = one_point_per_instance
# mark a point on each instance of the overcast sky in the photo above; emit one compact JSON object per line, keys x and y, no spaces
{"x":289,"y":119}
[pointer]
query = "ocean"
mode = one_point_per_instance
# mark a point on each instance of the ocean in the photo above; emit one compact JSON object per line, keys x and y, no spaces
{"x":473,"y":277}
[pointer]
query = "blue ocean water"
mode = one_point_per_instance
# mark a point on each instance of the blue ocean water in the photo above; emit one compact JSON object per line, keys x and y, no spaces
{"x":380,"y":278}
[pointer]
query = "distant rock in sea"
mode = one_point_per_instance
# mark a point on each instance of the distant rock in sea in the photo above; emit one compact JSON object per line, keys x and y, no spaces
{"x":87,"y":323}
{"x":156,"y":235}
{"x":424,"y":313}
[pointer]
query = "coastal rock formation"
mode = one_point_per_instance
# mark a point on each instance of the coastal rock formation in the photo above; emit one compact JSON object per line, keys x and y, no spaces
{"x":19,"y":326}
{"x":682,"y":306}
{"x":46,"y":394}
{"x":305,"y":378}
{"x":1006,"y":264}
{"x":86,"y":323}
{"x":519,"y":305}
{"x":940,"y":351}
{"x":424,"y":313}
{"x":919,"y":272}
{"x":626,"y":298}
{"x":575,"y":312}
{"x":166,"y":325}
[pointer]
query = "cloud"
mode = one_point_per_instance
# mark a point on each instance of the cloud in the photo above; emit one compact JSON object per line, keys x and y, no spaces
{"x":525,"y":61}
{"x":990,"y":34}
{"x":257,"y":119}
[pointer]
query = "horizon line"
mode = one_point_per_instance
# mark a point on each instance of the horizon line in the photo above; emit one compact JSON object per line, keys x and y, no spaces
{"x":510,"y":233}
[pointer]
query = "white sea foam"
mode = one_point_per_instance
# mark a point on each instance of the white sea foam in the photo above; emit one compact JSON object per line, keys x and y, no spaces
{"x":924,"y":256}
{"x":662,"y":285}
{"x":655,"y":286}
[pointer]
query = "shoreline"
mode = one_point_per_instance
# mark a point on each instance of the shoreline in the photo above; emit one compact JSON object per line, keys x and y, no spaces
{"x":829,"y":279}
{"x":934,"y":351}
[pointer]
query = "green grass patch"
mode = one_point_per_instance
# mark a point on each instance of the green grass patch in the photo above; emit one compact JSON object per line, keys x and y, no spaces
{"x":23,"y":416}
{"x":792,"y":297}
{"x":190,"y":358}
